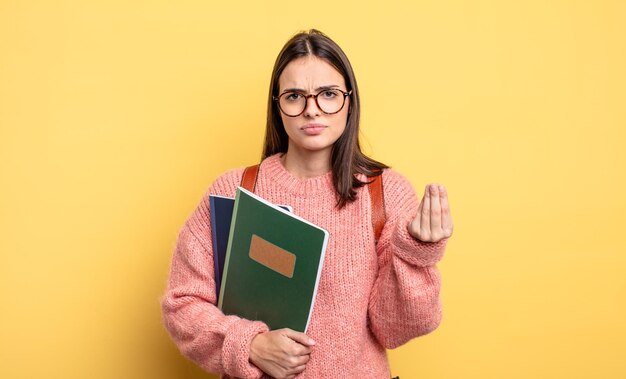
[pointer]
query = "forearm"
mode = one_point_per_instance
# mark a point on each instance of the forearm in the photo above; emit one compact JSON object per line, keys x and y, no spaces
{"x":405,"y":299}
{"x":216,"y":342}
{"x":405,"y":303}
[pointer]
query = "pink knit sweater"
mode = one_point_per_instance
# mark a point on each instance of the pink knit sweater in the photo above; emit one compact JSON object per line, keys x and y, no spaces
{"x":370,"y":297}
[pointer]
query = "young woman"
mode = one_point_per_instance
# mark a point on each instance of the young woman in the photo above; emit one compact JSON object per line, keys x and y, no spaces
{"x":373,"y":295}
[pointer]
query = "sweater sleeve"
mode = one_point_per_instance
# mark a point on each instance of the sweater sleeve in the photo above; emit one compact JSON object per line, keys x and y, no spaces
{"x":404,"y":302}
{"x":217,"y":343}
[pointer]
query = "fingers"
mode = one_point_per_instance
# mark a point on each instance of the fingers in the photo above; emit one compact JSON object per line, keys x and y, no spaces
{"x":300,"y":352}
{"x":425,"y":216}
{"x":414,"y":227}
{"x":299,"y":361}
{"x":298,"y":337}
{"x":435,"y":211}
{"x":418,"y":218}
{"x":433,"y":221}
{"x":446,"y":217}
{"x":295,"y":371}
{"x":281,"y":353}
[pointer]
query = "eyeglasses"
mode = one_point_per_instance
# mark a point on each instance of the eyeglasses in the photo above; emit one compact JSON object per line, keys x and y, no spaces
{"x":329,"y":101}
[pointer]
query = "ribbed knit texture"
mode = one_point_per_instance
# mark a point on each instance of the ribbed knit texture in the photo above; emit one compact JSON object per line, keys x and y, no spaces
{"x":369,"y":297}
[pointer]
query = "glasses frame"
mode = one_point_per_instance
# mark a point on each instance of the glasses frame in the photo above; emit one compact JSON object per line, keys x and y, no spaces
{"x":308,"y":96}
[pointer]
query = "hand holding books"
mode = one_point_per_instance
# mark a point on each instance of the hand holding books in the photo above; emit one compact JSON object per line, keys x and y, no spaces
{"x":281,"y":353}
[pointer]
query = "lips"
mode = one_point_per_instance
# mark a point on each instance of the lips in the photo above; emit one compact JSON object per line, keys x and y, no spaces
{"x":313,"y":129}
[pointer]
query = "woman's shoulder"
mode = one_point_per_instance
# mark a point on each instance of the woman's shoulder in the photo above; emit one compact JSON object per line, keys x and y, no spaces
{"x":394,"y":183}
{"x":399,"y":195}
{"x":226,"y":183}
{"x":394,"y":180}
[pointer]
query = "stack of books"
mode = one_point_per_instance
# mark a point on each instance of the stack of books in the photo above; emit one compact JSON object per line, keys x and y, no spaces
{"x":267,"y":260}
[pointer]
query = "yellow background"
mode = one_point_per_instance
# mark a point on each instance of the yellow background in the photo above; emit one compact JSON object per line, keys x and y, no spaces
{"x":115,"y":116}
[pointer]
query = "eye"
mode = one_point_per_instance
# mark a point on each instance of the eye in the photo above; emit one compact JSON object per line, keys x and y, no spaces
{"x":330,"y":94}
{"x":292,"y":96}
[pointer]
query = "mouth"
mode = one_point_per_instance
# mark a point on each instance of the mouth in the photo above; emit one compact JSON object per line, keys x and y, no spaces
{"x":313,"y":128}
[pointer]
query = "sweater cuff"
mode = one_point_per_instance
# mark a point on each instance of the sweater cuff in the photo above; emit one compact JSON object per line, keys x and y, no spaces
{"x":236,"y":349}
{"x":414,"y":251}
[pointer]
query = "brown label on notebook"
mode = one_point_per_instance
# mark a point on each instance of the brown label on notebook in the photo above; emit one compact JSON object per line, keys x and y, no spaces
{"x":272,"y":256}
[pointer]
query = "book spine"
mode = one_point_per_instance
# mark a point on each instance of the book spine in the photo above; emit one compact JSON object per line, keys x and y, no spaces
{"x":216,"y":258}
{"x":233,"y":224}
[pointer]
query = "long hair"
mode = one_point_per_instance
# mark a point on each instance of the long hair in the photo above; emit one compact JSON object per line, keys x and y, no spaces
{"x":347,"y":159}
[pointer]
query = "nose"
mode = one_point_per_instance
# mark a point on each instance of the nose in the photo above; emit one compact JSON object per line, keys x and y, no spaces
{"x":310,"y":108}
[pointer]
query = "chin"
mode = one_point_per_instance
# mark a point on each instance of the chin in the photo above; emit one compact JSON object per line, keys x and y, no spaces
{"x":317,"y":146}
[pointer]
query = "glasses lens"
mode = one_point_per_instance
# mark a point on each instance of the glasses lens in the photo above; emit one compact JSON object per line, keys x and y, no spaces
{"x":292,"y":103}
{"x":330,"y":101}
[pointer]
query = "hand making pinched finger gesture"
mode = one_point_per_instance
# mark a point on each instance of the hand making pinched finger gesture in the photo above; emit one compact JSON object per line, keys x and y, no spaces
{"x":433,"y":221}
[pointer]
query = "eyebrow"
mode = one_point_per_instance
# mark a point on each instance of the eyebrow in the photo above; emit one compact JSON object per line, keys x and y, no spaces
{"x":332,"y":86}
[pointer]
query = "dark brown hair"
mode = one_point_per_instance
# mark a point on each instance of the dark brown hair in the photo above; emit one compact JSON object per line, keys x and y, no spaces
{"x":347,"y":159}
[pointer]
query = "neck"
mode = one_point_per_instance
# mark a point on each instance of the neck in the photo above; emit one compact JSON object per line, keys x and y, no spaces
{"x":306,"y":164}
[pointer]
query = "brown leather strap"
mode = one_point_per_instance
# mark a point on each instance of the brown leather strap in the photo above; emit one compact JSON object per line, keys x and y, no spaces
{"x":248,"y":180}
{"x":378,"y":205}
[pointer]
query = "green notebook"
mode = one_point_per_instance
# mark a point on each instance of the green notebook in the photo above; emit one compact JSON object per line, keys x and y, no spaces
{"x":273,"y":264}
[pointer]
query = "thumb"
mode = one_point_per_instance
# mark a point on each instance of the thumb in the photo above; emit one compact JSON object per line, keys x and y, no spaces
{"x":298,"y":337}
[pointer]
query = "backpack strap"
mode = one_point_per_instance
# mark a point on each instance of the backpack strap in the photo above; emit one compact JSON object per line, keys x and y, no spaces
{"x":248,"y":180}
{"x":377,"y":197}
{"x":375,"y":186}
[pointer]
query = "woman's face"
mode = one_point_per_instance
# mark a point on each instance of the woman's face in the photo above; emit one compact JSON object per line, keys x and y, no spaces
{"x":313,"y":130}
